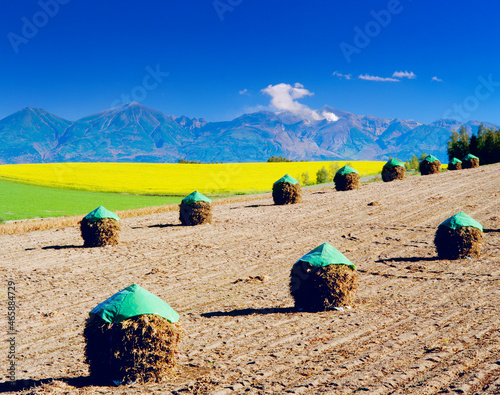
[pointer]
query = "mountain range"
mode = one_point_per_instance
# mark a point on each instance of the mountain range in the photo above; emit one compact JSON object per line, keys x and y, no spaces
{"x":135,"y":133}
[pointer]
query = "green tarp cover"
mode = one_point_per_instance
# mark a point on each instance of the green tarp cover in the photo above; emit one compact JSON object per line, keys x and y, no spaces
{"x":461,"y":220}
{"x":196,"y":197}
{"x":431,"y":158}
{"x":470,"y":156}
{"x":454,"y":161}
{"x":393,"y":163}
{"x":346,"y":170}
{"x":133,"y":301}
{"x":325,"y":255}
{"x":100,"y":213}
{"x":287,"y":178}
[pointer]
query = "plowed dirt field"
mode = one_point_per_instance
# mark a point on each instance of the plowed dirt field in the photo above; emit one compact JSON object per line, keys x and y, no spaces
{"x":419,"y":325}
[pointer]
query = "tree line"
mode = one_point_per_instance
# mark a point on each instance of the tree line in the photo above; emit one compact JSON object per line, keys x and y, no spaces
{"x":485,"y":144}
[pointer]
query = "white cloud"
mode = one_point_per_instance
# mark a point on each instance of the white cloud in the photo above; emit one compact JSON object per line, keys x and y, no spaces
{"x":404,"y":74}
{"x":244,"y":92}
{"x":436,"y":79}
{"x":284,"y":98}
{"x":367,"y":77}
{"x":340,"y":75}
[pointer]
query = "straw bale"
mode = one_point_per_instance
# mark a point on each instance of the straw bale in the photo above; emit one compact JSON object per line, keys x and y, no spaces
{"x":318,"y":288}
{"x":427,"y":167}
{"x":395,"y":173}
{"x":196,"y":213}
{"x":346,"y":182}
{"x":470,"y":163}
{"x":287,"y":193}
{"x":100,"y":233}
{"x":141,"y":348}
{"x":456,"y":166}
{"x":458,"y":243}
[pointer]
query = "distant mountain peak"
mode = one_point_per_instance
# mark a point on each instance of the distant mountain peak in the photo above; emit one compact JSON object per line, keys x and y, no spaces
{"x":133,"y":132}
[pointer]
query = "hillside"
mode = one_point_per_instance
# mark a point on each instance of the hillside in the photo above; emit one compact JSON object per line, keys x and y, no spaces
{"x":418,"y":324}
{"x":134,"y":133}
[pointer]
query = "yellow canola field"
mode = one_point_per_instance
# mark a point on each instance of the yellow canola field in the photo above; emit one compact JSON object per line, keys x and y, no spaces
{"x":170,"y":178}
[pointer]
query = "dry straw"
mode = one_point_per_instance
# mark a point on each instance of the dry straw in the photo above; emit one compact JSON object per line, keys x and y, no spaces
{"x":287,"y":193}
{"x":393,"y":170}
{"x":346,"y":182}
{"x":455,"y":164}
{"x":142,"y":348}
{"x":196,"y":213}
{"x":458,"y":237}
{"x":470,"y":162}
{"x":430,"y":165}
{"x":100,"y":233}
{"x":323,"y":278}
{"x":458,"y":243}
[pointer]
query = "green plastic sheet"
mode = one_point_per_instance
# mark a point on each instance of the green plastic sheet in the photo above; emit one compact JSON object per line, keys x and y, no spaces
{"x":287,"y":178}
{"x":431,"y":158}
{"x":346,"y":170}
{"x":461,"y":220}
{"x":470,"y":156}
{"x":195,"y":197}
{"x":100,"y":213}
{"x":325,"y":255}
{"x":131,"y":302}
{"x":454,"y":161}
{"x":393,"y":163}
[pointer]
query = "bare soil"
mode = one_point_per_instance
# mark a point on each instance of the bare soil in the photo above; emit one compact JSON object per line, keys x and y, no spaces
{"x":418,"y":324}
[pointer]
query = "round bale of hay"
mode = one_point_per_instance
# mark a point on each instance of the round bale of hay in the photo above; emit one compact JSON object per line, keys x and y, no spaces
{"x":100,"y":228}
{"x":455,"y":164}
{"x":195,"y":209}
{"x":470,"y":161}
{"x":324,"y":278}
{"x":287,"y":190}
{"x":430,"y":165}
{"x":458,"y":237}
{"x":132,"y":337}
{"x":346,"y":179}
{"x":393,"y":170}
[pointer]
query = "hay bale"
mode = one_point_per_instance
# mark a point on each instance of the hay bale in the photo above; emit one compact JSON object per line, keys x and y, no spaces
{"x":322,"y":287}
{"x":455,"y":164}
{"x":396,"y":173}
{"x":458,"y":243}
{"x":430,"y":165}
{"x":287,"y":190}
{"x":100,"y":233}
{"x":322,"y":279}
{"x":287,"y":193}
{"x":458,"y":237}
{"x":346,"y":183}
{"x":393,"y":170}
{"x":470,"y":161}
{"x":346,"y":179}
{"x":196,"y":213}
{"x":142,"y":348}
{"x":195,"y":209}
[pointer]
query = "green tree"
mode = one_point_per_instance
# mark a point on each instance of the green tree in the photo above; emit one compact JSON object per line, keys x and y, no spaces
{"x":305,"y":179}
{"x":453,"y":149}
{"x":413,"y":163}
{"x":334,"y":167}
{"x":322,"y":176}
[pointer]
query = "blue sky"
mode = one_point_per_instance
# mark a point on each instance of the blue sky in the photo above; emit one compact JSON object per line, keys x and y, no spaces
{"x":218,"y":59}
